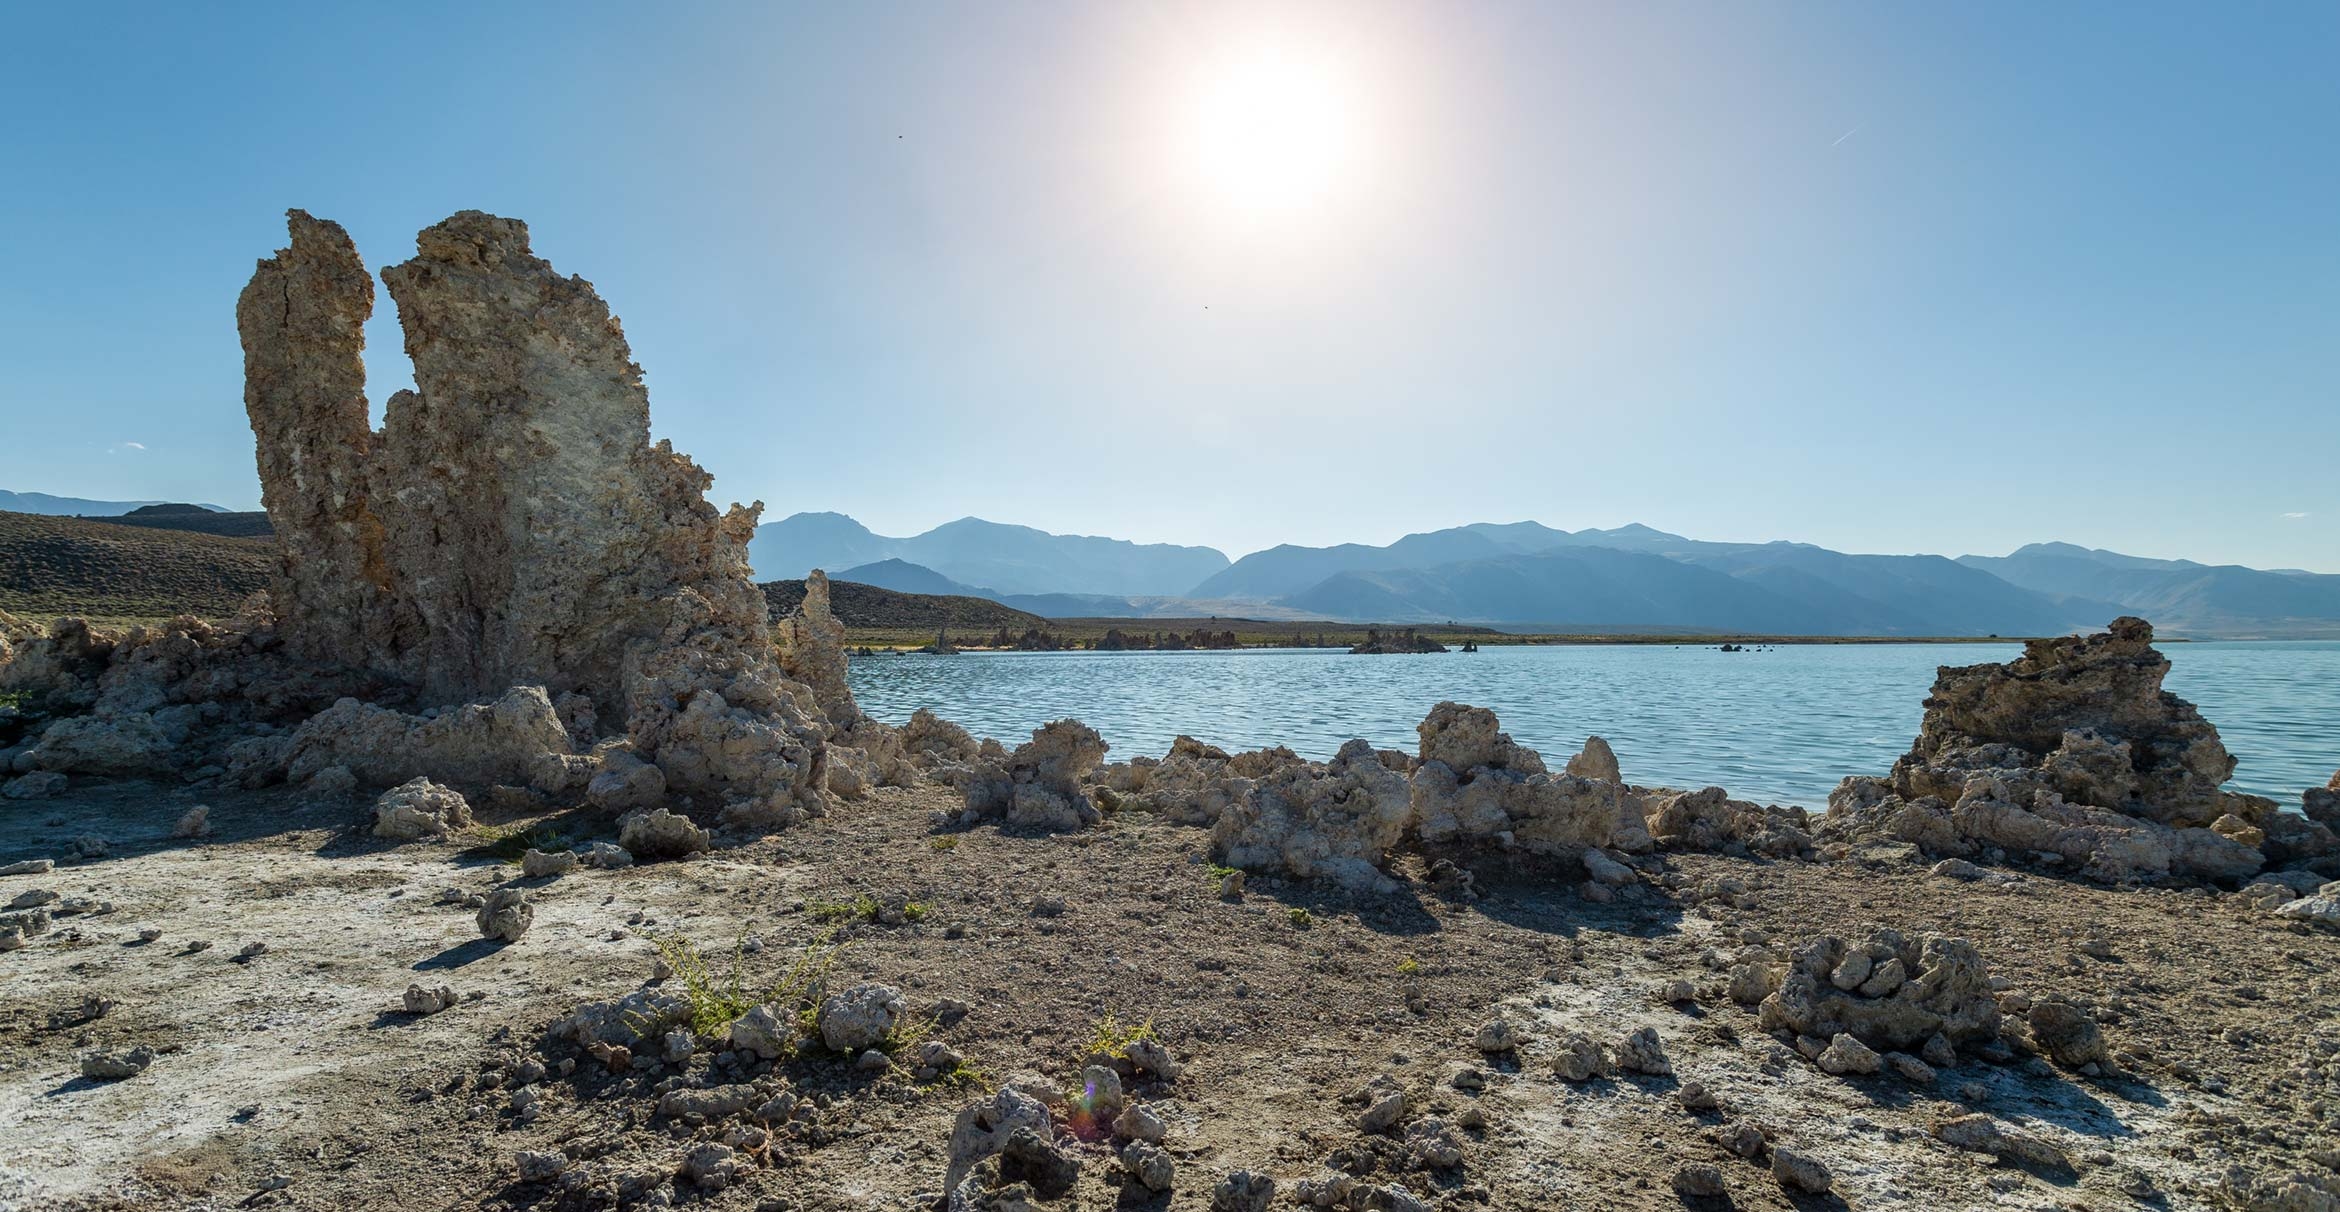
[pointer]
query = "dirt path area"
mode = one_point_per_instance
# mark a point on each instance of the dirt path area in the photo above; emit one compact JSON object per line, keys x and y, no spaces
{"x":292,"y":1078}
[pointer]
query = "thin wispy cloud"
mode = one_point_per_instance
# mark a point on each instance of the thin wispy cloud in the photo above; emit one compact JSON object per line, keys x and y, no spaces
{"x":1849,"y":134}
{"x":2295,"y":515}
{"x":135,"y":445}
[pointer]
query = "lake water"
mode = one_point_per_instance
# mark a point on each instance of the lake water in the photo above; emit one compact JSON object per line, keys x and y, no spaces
{"x":1780,"y":725}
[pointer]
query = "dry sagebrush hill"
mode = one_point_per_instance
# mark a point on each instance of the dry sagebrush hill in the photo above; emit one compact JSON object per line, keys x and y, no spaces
{"x":867,"y":606}
{"x":56,"y":565}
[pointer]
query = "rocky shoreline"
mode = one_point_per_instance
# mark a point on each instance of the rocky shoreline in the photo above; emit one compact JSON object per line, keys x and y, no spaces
{"x":506,"y":854}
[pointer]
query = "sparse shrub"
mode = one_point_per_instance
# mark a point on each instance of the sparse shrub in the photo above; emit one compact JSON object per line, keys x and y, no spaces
{"x":862,"y":908}
{"x":1109,"y":1037}
{"x":1409,"y":966}
{"x":717,"y":1001}
{"x":1302,"y":919}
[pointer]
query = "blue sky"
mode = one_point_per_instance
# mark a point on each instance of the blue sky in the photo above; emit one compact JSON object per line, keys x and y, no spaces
{"x":1946,"y":278}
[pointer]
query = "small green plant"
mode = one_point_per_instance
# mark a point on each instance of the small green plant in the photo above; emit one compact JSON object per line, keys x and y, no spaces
{"x":1217,"y":874}
{"x":1301,"y":919}
{"x":15,"y":700}
{"x":717,"y":1001}
{"x":914,"y":911}
{"x":862,"y":908}
{"x":962,"y":1074}
{"x":1409,"y":966}
{"x":948,"y":841}
{"x":1110,"y":1038}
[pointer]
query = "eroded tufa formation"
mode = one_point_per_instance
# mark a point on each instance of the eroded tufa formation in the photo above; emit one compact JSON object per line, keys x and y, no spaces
{"x":2073,"y":752}
{"x":508,"y":585}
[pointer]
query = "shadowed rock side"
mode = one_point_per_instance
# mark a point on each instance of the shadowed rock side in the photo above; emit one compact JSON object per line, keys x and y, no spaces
{"x":2074,"y":756}
{"x":302,"y":319}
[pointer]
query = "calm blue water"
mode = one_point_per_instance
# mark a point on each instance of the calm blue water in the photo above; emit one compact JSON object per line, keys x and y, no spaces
{"x":1781,"y":725}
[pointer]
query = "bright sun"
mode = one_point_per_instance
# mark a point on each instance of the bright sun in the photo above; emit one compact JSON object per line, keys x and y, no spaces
{"x":1275,"y":131}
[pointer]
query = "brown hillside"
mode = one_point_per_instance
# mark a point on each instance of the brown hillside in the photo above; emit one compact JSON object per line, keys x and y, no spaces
{"x":57,"y":565}
{"x":867,"y":606}
{"x":195,"y":518}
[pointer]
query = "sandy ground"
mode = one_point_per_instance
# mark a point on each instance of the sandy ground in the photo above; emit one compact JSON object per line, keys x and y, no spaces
{"x":291,"y":1079}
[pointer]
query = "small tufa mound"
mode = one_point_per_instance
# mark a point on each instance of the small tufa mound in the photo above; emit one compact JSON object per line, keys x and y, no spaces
{"x":861,"y":1018}
{"x":543,"y":864}
{"x":660,"y":834}
{"x":1039,"y":786}
{"x":422,"y":1002}
{"x":194,"y":823}
{"x":418,"y":809}
{"x":506,"y":915}
{"x":1596,"y":761}
{"x":1887,"y":992}
{"x":1475,"y":785}
{"x":1335,"y":820}
{"x":116,"y":1066}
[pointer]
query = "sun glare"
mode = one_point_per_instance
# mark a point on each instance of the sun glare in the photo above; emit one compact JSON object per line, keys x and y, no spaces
{"x":1275,"y":132}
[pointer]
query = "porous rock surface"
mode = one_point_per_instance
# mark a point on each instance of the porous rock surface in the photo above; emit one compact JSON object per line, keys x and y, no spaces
{"x":419,"y":809}
{"x":1888,"y":991}
{"x":2073,"y":752}
{"x":1039,"y":785}
{"x":1332,"y":820}
{"x":1475,"y":784}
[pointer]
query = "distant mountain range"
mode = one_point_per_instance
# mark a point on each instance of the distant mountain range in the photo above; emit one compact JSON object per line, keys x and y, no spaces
{"x":1518,"y":575}
{"x":43,"y":503}
{"x":1526,"y":575}
{"x":1004,"y":559}
{"x":2179,"y":595}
